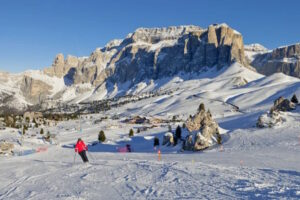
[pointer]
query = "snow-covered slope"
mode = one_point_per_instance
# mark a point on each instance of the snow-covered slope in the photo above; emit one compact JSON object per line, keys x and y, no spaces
{"x":251,"y":164}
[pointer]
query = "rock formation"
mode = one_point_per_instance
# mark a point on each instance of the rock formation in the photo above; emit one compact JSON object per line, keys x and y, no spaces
{"x":283,"y":59}
{"x":274,"y":117}
{"x":282,"y":104}
{"x":207,"y":127}
{"x":60,"y":66}
{"x":269,"y":120}
{"x":148,"y":53}
{"x":33,"y":90}
{"x":6,"y":147}
{"x":155,"y":53}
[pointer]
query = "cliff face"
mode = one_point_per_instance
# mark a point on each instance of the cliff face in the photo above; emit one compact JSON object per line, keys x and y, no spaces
{"x":283,"y":59}
{"x":33,"y":90}
{"x":155,"y":53}
{"x":148,"y":53}
{"x":60,"y":66}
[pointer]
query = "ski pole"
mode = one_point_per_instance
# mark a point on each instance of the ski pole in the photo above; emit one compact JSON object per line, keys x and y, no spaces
{"x":74,"y":158}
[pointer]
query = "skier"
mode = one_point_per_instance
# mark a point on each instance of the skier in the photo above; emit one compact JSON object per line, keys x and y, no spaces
{"x":81,"y":148}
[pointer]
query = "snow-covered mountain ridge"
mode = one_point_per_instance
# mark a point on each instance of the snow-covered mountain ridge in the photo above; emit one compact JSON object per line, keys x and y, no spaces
{"x":132,"y":65}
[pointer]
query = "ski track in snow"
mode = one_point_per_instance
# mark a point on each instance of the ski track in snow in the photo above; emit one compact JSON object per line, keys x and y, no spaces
{"x":127,"y":178}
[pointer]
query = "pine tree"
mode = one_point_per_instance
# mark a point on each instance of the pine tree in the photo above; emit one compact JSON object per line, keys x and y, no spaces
{"x":42,"y":131}
{"x":131,"y":133}
{"x":178,"y":132}
{"x":294,"y":99}
{"x":101,"y":136}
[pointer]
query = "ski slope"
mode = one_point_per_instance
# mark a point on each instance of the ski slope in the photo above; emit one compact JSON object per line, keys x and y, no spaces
{"x":251,"y":163}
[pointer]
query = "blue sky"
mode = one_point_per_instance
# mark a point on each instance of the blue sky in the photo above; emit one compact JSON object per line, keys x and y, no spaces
{"x":33,"y":31}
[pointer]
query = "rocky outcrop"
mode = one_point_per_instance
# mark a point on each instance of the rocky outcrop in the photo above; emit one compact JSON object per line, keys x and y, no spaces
{"x":274,"y":117}
{"x":60,"y":66}
{"x":207,"y":127}
{"x":33,"y":90}
{"x":282,"y":104}
{"x":269,"y":120}
{"x":284,"y":59}
{"x":6,"y":148}
{"x":154,"y":53}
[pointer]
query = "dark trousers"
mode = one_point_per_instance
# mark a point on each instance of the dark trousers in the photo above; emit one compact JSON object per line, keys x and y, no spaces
{"x":83,"y":156}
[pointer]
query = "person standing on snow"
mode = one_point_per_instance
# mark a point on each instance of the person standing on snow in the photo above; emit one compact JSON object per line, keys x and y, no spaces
{"x":81,"y":148}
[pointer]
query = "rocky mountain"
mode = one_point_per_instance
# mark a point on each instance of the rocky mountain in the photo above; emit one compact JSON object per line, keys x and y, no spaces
{"x":154,"y":53}
{"x":283,"y":59}
{"x":252,"y":50}
{"x":148,"y":54}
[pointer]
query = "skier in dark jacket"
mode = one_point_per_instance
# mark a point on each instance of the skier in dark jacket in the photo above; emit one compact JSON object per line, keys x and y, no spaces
{"x":81,"y":148}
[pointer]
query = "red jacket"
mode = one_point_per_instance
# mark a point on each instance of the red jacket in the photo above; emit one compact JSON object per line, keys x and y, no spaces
{"x":80,"y":146}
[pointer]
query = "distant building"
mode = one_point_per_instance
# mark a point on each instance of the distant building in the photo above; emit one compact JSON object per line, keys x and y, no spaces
{"x":33,"y":115}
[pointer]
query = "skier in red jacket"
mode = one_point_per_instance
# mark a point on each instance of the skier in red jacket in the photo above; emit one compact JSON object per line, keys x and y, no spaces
{"x":81,"y":148}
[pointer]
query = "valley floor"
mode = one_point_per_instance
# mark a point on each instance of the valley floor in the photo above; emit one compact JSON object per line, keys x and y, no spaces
{"x":251,"y":164}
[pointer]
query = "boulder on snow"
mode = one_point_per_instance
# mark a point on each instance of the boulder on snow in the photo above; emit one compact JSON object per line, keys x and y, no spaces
{"x":282,"y":104}
{"x":269,"y":120}
{"x":201,"y":142}
{"x":6,"y":147}
{"x":274,"y":117}
{"x":208,"y":127}
{"x":168,"y":139}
